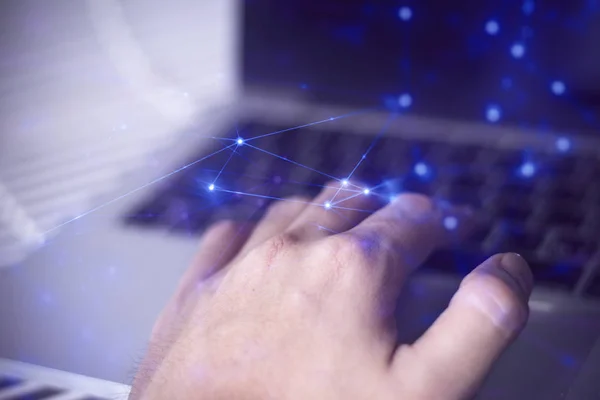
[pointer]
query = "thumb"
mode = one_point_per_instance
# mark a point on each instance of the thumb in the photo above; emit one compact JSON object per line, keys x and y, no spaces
{"x":454,"y":355}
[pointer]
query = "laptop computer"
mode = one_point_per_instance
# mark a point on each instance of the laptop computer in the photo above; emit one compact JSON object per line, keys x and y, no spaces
{"x":464,"y":102}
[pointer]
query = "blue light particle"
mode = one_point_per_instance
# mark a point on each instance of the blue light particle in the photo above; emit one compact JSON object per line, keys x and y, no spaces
{"x":492,"y":27}
{"x":405,"y":13}
{"x":493,"y":113}
{"x":345,"y":182}
{"x":327,"y":205}
{"x":517,"y":50}
{"x":240,"y":141}
{"x":450,"y":223}
{"x":211,"y":187}
{"x":405,"y":100}
{"x":528,"y":7}
{"x":563,"y":144}
{"x":421,"y":169}
{"x":367,"y":191}
{"x":527,"y":170}
{"x":558,"y":88}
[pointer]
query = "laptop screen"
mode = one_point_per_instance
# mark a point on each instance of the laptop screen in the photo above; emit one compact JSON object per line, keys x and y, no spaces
{"x":525,"y":63}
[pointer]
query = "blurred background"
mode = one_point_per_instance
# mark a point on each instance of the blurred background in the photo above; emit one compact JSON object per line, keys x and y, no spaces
{"x":106,"y":106}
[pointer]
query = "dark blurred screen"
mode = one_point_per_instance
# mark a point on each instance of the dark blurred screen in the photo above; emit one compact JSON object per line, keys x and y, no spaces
{"x":456,"y":59}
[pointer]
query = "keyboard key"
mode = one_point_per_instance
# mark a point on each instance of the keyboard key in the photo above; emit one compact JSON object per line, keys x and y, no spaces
{"x":567,"y":244}
{"x":514,"y":237}
{"x":463,"y":154}
{"x":509,"y":206}
{"x":559,"y":214}
{"x":460,"y":195}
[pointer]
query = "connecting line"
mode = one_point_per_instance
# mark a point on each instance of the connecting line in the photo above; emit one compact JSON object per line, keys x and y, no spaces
{"x":364,"y":156}
{"x":136,"y":190}
{"x":348,"y":198}
{"x":293,"y":162}
{"x":313,"y":123}
{"x":262,"y":196}
{"x":224,"y":165}
{"x":287,"y":199}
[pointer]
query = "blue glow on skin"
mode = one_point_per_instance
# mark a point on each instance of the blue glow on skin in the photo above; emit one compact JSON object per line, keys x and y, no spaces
{"x":211,"y":187}
{"x":450,"y":223}
{"x":493,"y":113}
{"x":492,"y":27}
{"x":405,"y":13}
{"x":563,"y":144}
{"x":421,"y":169}
{"x":527,"y":170}
{"x":558,"y":88}
{"x":240,"y":141}
{"x":367,"y":191}
{"x":517,"y":50}
{"x":405,"y":100}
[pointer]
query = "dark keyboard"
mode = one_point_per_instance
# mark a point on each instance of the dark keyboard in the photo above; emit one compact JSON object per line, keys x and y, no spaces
{"x":546,"y":207}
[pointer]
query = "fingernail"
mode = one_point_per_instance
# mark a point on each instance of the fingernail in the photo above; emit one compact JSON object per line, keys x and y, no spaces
{"x":518,"y":270}
{"x":504,"y":310}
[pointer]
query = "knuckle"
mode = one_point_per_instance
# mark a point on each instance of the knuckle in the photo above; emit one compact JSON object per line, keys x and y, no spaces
{"x":275,"y":247}
{"x":348,"y":250}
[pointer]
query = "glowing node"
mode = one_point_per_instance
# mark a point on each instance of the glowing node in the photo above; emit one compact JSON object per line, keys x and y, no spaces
{"x":558,"y":88}
{"x":327,"y":205}
{"x":492,"y":27}
{"x":345,"y":182}
{"x":240,"y":141}
{"x":367,"y":191}
{"x":364,"y":156}
{"x":421,"y":169}
{"x":450,"y":223}
{"x":405,"y":100}
{"x":563,"y":144}
{"x":493,"y":113}
{"x":527,"y":170}
{"x":211,"y":187}
{"x":405,"y":13}
{"x":517,"y":50}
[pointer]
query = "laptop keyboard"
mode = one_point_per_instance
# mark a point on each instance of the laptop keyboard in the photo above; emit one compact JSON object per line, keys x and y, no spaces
{"x":543,"y":206}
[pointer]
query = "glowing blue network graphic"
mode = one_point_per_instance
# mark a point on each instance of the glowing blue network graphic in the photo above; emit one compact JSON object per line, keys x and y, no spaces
{"x":517,"y":46}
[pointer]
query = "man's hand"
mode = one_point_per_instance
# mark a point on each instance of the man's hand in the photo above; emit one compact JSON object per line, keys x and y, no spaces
{"x":302,"y":307}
